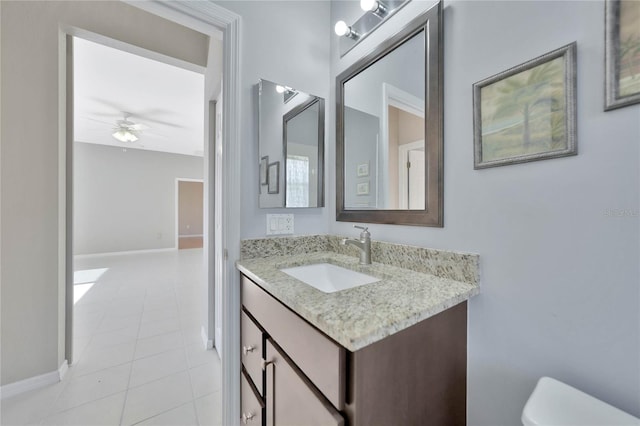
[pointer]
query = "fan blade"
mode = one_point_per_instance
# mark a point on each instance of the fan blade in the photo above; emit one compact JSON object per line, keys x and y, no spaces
{"x":156,"y":135}
{"x":145,"y":115}
{"x":98,"y":121}
{"x":162,"y":122}
{"x":138,"y":126}
{"x":111,"y":105}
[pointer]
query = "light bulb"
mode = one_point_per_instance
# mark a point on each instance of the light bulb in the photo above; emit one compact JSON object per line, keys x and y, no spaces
{"x":342,"y":28}
{"x":368,"y":5}
{"x":280,"y":89}
{"x":374,"y":6}
{"x":125,"y":136}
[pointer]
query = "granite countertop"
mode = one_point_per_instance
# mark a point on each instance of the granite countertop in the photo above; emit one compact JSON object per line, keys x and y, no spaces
{"x":363,"y":315}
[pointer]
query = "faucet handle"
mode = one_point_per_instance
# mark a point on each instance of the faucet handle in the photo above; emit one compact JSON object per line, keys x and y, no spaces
{"x":365,"y":233}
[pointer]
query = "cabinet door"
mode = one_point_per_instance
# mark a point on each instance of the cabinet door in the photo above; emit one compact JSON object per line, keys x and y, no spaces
{"x":251,"y":403}
{"x":322,"y":360}
{"x":291,"y":399}
{"x":251,"y":339}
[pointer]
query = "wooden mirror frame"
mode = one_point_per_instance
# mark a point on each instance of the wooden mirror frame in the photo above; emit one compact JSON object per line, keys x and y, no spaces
{"x":431,"y":23}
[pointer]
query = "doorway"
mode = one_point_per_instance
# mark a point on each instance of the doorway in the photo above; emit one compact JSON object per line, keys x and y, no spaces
{"x":189,"y":213}
{"x":214,"y":21}
{"x":134,"y":136}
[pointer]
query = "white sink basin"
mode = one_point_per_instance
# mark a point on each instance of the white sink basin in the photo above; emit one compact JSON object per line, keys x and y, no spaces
{"x":329,"y":278}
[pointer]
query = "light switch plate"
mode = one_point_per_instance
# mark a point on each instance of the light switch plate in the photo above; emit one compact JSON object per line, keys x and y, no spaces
{"x":279,"y":224}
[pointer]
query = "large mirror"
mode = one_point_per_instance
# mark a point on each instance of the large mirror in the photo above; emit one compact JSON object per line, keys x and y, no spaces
{"x":291,"y":147}
{"x":389,"y":130}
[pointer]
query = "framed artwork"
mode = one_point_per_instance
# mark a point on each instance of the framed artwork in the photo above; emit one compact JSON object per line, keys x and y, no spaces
{"x":622,"y":53}
{"x":273,"y":178}
{"x":528,"y":112}
{"x":362,"y":188}
{"x":264,"y":162}
{"x":362,"y":170}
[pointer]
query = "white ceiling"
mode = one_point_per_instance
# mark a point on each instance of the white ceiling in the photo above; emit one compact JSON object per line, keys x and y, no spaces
{"x":109,"y":83}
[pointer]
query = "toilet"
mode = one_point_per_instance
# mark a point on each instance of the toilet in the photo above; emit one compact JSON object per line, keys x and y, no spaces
{"x":554,"y":403}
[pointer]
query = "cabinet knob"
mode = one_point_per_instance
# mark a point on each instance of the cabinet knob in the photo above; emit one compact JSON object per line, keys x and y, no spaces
{"x":247,"y":417}
{"x":247,"y":349}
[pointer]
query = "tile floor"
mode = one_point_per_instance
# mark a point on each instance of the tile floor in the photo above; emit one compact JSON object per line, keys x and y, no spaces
{"x":138,"y":352}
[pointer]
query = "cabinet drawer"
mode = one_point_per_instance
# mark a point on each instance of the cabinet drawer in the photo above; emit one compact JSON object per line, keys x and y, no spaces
{"x":319,"y":358}
{"x":252,"y":407}
{"x":292,"y":401}
{"x":251,"y":340}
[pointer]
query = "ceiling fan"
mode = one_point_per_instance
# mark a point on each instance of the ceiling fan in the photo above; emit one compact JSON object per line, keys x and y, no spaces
{"x":127,"y":130}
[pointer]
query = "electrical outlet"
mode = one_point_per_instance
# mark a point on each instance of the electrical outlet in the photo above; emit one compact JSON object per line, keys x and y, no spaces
{"x":279,"y":224}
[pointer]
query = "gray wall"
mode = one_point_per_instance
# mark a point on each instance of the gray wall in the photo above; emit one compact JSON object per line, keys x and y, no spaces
{"x":125,"y":200}
{"x":287,"y":42}
{"x":560,"y":279}
{"x":361,"y":133}
{"x":402,"y":69}
{"x":32,"y":240}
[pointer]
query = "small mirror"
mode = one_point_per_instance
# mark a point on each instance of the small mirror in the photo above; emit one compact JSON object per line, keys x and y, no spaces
{"x":291,"y":147}
{"x":389,"y":130}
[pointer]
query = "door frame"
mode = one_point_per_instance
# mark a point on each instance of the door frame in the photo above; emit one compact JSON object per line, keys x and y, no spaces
{"x":177,"y":210}
{"x":398,"y":98}
{"x":211,"y":19}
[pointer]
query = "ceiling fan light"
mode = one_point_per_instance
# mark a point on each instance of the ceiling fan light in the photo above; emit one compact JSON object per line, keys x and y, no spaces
{"x":125,"y":136}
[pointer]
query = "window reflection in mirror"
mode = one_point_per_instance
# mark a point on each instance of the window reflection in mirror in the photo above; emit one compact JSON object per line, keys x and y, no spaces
{"x":301,"y":134}
{"x":291,"y":143}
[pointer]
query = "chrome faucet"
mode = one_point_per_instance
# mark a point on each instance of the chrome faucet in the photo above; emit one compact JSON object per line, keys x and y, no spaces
{"x":364,"y":244}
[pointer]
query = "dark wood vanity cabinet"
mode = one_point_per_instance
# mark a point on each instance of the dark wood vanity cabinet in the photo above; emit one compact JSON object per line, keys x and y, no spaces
{"x":252,"y":404}
{"x":416,"y":376}
{"x":291,"y":399}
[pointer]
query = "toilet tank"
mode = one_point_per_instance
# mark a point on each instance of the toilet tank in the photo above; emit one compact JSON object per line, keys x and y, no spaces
{"x":555,"y":403}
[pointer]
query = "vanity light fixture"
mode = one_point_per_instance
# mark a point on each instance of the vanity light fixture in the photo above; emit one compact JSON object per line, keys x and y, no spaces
{"x":375,"y":13}
{"x":374,"y":6}
{"x":287,"y":91}
{"x":342,"y":29}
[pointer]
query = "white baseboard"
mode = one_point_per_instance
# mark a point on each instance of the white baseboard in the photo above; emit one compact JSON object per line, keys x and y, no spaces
{"x":119,"y":253}
{"x":190,"y":235}
{"x":218,"y":339}
{"x":35,"y":382}
{"x":62,"y":371}
{"x":208,"y":343}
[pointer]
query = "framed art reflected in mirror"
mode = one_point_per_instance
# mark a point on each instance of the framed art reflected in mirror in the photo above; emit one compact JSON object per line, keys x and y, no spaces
{"x":273,"y":178}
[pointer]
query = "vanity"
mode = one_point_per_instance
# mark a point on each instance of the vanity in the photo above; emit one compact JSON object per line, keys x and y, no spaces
{"x":389,"y":352}
{"x":329,"y":337}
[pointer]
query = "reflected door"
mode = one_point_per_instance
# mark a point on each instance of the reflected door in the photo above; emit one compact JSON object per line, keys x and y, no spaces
{"x":411,"y":171}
